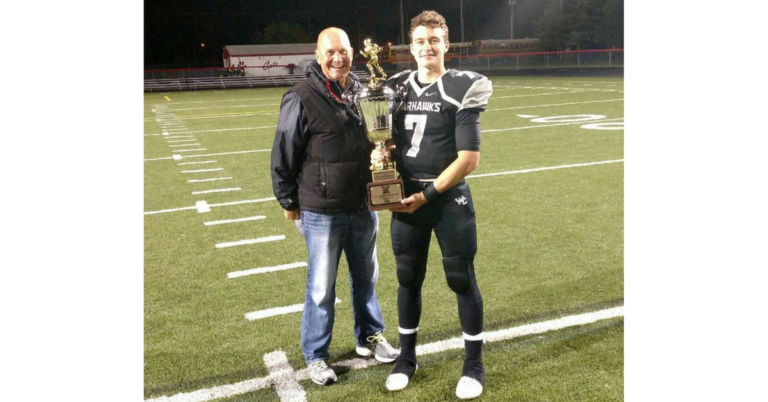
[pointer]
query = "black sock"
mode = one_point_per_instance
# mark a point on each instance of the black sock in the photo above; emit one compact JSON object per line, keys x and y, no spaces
{"x":473,"y":361}
{"x":406,"y":362}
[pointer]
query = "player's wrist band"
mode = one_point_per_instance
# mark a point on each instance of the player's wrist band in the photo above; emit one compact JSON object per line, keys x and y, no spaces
{"x":431,"y":193}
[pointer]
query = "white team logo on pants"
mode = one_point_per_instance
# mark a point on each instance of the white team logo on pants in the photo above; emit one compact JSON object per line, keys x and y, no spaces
{"x":461,"y":200}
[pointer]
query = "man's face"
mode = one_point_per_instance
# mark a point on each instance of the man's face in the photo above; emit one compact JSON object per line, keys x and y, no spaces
{"x":333,"y":53}
{"x":428,"y":46}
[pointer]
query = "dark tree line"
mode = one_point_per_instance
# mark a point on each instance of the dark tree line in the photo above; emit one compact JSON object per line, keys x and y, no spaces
{"x":581,"y":25}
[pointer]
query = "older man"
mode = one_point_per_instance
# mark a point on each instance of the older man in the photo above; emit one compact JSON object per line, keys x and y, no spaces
{"x":319,"y":174}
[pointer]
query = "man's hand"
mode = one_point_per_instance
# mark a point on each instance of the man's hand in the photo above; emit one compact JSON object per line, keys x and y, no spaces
{"x":292,"y":215}
{"x":377,"y":155}
{"x":411,"y":204}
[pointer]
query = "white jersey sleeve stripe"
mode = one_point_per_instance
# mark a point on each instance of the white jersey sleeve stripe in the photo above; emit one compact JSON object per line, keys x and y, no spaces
{"x":477,"y":95}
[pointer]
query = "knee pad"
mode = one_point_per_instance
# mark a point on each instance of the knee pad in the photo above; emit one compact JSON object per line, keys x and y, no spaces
{"x":460,"y":274}
{"x":410,"y":273}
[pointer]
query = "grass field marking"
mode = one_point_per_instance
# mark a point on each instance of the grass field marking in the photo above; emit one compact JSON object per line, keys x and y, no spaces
{"x":554,"y":104}
{"x":158,"y":159}
{"x":190,"y":150}
{"x":224,"y":107}
{"x":216,"y":154}
{"x":551,"y":93}
{"x":168,"y":210}
{"x":250,"y":241}
{"x":619,"y":125}
{"x":282,"y":378}
{"x":173,"y":142}
{"x":495,"y":130}
{"x":572,"y":118}
{"x":217,"y":190}
{"x":229,"y":153}
{"x":474,"y":176}
{"x":202,"y":207}
{"x":224,"y":204}
{"x":264,"y":270}
{"x":204,"y":180}
{"x":256,"y":384}
{"x":468,"y":177}
{"x":181,"y":136}
{"x":165,"y":133}
{"x":177,"y":157}
{"x":194,"y":163}
{"x":271,"y":312}
{"x":183,"y":145}
{"x":223,"y":100}
{"x":203,"y":170}
{"x":167,"y":98}
{"x":249,"y":218}
{"x":220,"y":116}
{"x":526,"y":116}
{"x":232,"y":129}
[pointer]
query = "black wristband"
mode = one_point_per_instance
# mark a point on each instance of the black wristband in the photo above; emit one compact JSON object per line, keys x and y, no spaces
{"x":431,"y":193}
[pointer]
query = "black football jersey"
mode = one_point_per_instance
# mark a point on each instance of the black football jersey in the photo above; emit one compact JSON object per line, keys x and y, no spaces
{"x":425,"y":130}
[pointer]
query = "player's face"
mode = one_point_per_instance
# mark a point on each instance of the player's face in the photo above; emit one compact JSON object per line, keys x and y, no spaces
{"x":333,"y":54}
{"x":428,"y":47}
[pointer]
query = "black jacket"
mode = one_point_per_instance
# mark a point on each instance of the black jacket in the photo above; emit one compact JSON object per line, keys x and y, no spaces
{"x":321,"y":153}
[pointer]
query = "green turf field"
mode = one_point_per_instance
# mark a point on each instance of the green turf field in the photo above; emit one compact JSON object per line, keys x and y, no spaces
{"x":550,"y":238}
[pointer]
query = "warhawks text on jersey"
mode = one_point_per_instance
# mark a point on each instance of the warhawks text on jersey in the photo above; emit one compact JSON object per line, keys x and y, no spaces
{"x":438,"y":120}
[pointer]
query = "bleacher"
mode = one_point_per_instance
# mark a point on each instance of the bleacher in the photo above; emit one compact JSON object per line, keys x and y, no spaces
{"x":197,"y":83}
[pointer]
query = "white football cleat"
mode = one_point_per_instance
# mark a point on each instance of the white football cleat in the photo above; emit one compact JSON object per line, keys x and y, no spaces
{"x":468,"y":388}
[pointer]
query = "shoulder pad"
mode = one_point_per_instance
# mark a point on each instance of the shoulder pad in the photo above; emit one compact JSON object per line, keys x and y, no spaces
{"x":398,"y":78}
{"x":466,"y":89}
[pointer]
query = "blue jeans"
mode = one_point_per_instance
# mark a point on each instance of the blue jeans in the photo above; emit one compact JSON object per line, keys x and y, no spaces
{"x":327,"y":235}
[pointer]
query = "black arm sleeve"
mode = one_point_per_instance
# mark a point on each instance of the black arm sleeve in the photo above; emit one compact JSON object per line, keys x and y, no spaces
{"x":288,"y":151}
{"x":468,"y":130}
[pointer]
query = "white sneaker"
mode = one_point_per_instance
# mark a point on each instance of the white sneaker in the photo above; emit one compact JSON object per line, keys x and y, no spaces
{"x":321,"y":374}
{"x":378,"y":346}
{"x":468,"y":388}
{"x":398,"y":381}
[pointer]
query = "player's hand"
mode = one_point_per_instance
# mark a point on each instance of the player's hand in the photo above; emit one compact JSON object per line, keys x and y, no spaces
{"x":412,"y":203}
{"x":377,"y":155}
{"x":292,"y":215}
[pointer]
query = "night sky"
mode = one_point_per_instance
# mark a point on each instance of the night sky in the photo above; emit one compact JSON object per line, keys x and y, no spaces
{"x":174,"y":29}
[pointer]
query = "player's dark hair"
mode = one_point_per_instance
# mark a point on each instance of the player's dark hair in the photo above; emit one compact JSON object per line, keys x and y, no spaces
{"x":429,"y":19}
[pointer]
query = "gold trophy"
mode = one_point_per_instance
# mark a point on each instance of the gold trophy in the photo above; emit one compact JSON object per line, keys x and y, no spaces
{"x":376,"y":105}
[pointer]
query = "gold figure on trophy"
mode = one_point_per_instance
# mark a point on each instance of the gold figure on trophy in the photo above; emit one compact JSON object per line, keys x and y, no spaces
{"x":371,"y":52}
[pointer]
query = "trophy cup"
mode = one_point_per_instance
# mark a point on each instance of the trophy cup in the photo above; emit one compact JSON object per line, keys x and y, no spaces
{"x":376,"y":105}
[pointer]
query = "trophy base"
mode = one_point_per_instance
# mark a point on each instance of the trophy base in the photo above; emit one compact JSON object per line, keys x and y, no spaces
{"x":385,"y":194}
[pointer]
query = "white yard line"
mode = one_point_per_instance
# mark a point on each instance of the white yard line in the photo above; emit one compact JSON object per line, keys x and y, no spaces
{"x":180,"y":136}
{"x":468,"y":177}
{"x":224,"y":204}
{"x":474,"y":176}
{"x":193,"y":140}
{"x":202,"y":170}
{"x":217,"y":190}
{"x":226,"y":116}
{"x":256,"y":271}
{"x":281,"y":373}
{"x":224,"y":129}
{"x":255,"y":384}
{"x":271,"y":312}
{"x":183,"y":145}
{"x":494,"y":130}
{"x":204,"y":180}
{"x":216,"y":154}
{"x":250,"y":241}
{"x":168,"y":210}
{"x":226,"y":100}
{"x":230,"y":153}
{"x":190,"y":150}
{"x":225,"y":107}
{"x":250,"y":218}
{"x":554,"y":104}
{"x":194,"y":163}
